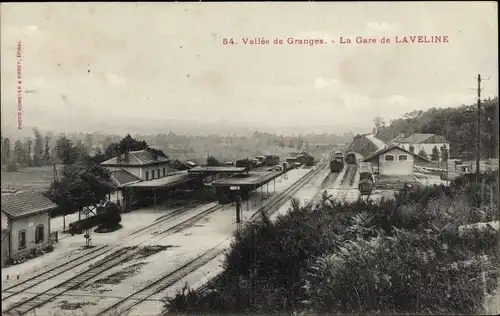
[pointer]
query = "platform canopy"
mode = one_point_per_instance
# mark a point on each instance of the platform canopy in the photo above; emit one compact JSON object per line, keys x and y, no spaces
{"x":212,"y":170}
{"x":169,"y":181}
{"x":255,"y":179}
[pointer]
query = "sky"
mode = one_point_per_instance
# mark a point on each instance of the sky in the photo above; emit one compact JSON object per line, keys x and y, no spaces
{"x":83,"y":63}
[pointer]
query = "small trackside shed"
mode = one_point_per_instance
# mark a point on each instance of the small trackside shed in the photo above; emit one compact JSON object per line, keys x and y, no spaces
{"x":28,"y":222}
{"x":394,"y":161}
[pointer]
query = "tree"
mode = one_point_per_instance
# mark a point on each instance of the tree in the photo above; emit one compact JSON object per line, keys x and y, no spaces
{"x":19,"y":152}
{"x":128,"y":143}
{"x":422,"y":153}
{"x":38,"y":149}
{"x":83,"y":184}
{"x":412,"y":148}
{"x":46,"y":153}
{"x":89,"y":142}
{"x":379,"y":124}
{"x":5,"y":149}
{"x":28,"y":158}
{"x":212,"y":161}
{"x":66,"y":151}
{"x":444,"y":153}
{"x":177,"y":165}
{"x":435,"y":154}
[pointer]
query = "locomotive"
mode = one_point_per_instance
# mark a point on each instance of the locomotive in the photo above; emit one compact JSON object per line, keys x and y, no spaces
{"x":365,"y":178}
{"x":350,"y":158}
{"x":336,"y":165}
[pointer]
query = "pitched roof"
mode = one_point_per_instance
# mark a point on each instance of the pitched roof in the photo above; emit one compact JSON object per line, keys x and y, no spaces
{"x":122,"y":177}
{"x":25,"y":203}
{"x":171,"y":180}
{"x":136,"y":158}
{"x":378,"y":153}
{"x":415,"y":138}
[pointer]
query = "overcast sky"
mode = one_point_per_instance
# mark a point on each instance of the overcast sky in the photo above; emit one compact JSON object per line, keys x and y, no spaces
{"x":166,"y":60}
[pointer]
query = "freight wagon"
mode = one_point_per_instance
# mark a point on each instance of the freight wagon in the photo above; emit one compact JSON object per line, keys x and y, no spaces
{"x":366,"y":179}
{"x":245,"y":163}
{"x":336,"y":165}
{"x":307,"y":160}
{"x":271,"y":160}
{"x":350,"y":158}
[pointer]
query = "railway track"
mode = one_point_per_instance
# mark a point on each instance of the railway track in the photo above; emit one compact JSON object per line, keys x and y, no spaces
{"x":171,"y":278}
{"x":326,"y":184}
{"x":274,"y":204}
{"x":86,"y":257}
{"x":134,"y":299}
{"x":127,"y":253}
{"x":113,"y":259}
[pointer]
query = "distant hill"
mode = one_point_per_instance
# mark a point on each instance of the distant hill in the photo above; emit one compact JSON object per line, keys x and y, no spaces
{"x":457,"y":125}
{"x":123,"y":125}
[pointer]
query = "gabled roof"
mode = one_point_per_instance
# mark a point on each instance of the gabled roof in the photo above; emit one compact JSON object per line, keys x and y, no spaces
{"x":122,"y":177}
{"x":169,"y":181}
{"x":25,"y":203}
{"x":389,"y":148}
{"x":415,"y":138}
{"x":136,"y":158}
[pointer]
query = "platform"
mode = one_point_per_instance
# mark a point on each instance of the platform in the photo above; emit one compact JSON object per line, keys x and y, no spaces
{"x":212,"y":170}
{"x":252,"y":179}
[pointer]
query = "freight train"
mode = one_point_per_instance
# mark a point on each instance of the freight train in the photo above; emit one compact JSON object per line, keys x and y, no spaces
{"x":301,"y":159}
{"x":337,"y":163}
{"x":350,"y":158}
{"x":246,"y":163}
{"x":366,"y":179}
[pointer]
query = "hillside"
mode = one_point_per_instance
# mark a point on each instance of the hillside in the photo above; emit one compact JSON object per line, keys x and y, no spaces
{"x":457,"y":125}
{"x":416,"y":254}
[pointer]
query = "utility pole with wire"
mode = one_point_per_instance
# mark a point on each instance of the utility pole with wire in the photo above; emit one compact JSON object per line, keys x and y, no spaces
{"x":478,"y":145}
{"x":478,"y":140}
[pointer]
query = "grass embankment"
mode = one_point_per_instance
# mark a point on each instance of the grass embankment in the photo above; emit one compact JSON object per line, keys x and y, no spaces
{"x":401,"y":256}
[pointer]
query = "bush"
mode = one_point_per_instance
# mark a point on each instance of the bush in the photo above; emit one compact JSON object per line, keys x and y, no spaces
{"x":399,"y":256}
{"x":412,"y":273}
{"x":11,"y":167}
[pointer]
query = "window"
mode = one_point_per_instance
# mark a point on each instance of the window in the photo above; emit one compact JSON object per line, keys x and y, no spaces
{"x":403,"y":157}
{"x":164,"y":172}
{"x":22,"y":239}
{"x":389,"y":157}
{"x":159,"y":173}
{"x":147,"y":175}
{"x":152,"y":174}
{"x":39,"y":234}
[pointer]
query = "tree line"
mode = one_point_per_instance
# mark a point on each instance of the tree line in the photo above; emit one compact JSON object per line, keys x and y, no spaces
{"x":65,"y":149}
{"x":457,"y":125}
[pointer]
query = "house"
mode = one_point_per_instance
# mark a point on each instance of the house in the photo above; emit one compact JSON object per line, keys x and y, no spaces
{"x":143,"y":164}
{"x":425,"y":142}
{"x":28,"y":223}
{"x":142,"y":178}
{"x":394,"y":161}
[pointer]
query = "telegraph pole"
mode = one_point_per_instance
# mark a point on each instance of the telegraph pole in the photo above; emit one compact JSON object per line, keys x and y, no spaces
{"x":478,"y":147}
